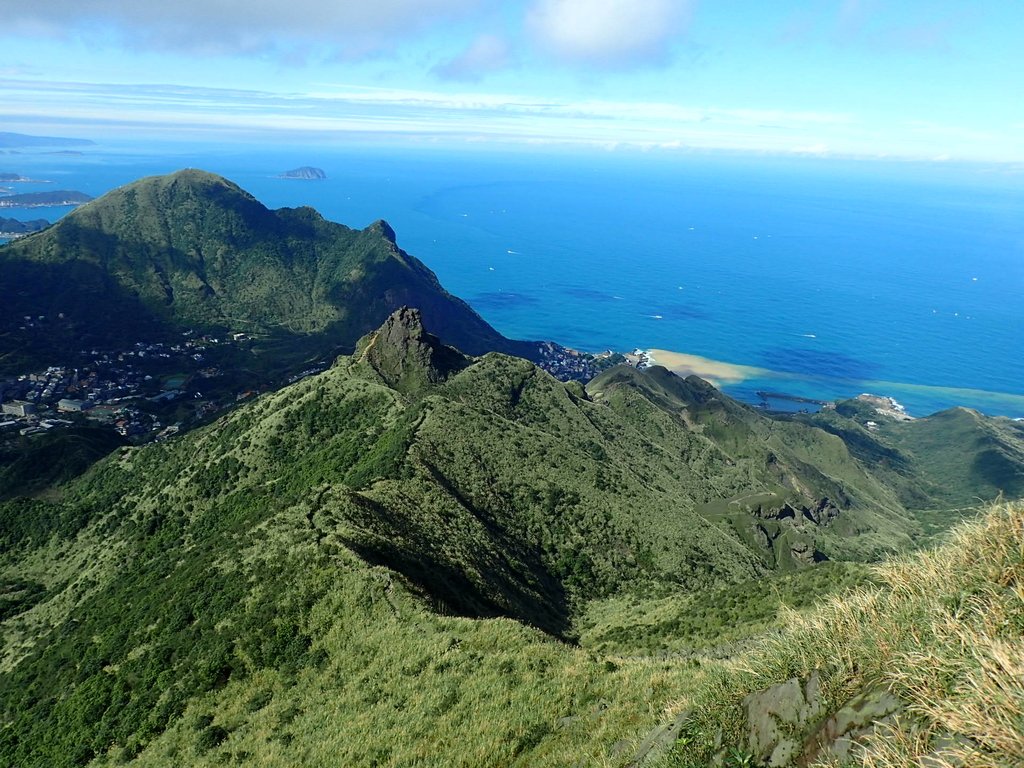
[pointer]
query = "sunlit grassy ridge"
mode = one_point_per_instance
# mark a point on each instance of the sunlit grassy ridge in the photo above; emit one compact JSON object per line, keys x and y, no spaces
{"x":396,"y":685}
{"x":418,"y":558}
{"x":488,"y":490}
{"x":943,"y":632}
{"x":721,"y":621}
{"x":953,"y":459}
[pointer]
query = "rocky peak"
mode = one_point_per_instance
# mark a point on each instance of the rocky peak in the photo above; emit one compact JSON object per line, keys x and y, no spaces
{"x":405,"y":355}
{"x":384,"y":229}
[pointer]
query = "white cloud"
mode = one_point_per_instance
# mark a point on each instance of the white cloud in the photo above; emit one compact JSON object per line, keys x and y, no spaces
{"x":486,"y":54}
{"x":346,"y":28}
{"x":609,"y":32}
{"x":820,"y":149}
{"x":349,"y":112}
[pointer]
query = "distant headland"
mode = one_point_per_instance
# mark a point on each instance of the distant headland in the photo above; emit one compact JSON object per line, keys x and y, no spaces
{"x":12,"y":228}
{"x":45,"y":199}
{"x":8,"y":139}
{"x":7,"y":178}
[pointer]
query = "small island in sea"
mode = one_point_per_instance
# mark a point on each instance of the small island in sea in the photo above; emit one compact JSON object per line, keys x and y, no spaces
{"x":7,"y":178}
{"x":306,"y":172}
{"x":44,"y":199}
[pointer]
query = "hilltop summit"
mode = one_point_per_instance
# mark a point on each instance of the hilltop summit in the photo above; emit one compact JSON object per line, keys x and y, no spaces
{"x":192,"y":250}
{"x":405,"y":356}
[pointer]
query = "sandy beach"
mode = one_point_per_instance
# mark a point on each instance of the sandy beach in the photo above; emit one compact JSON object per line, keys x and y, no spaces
{"x":714,"y":371}
{"x":720,"y":374}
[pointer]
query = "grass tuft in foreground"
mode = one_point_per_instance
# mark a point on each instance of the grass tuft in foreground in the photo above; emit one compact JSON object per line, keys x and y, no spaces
{"x":943,"y":633}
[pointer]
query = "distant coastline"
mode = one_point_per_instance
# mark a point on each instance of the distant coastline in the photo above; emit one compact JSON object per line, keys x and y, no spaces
{"x":17,"y":178}
{"x":725,"y":375}
{"x":706,"y":310}
{"x":21,"y":140}
{"x":11,"y":229}
{"x":54,"y":199}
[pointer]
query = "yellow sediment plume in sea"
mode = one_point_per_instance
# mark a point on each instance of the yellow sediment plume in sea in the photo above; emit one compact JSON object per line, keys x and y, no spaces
{"x":714,"y":371}
{"x":720,"y":373}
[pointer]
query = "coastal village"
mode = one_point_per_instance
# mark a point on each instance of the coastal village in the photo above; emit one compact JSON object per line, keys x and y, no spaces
{"x":152,"y":391}
{"x":568,"y":364}
{"x":119,"y":389}
{"x":131,"y":392}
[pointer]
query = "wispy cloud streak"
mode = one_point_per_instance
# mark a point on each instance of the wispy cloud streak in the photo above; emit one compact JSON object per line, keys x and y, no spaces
{"x":338,"y":110}
{"x":224,"y":27}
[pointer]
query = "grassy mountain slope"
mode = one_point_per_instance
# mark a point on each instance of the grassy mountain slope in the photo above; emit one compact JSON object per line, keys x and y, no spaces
{"x":238,"y":561}
{"x":317,"y":659}
{"x":952,"y":460}
{"x":933,"y":649}
{"x":791,"y":491}
{"x":485,"y":487}
{"x":29,"y":466}
{"x":192,"y":250}
{"x":345,"y":572}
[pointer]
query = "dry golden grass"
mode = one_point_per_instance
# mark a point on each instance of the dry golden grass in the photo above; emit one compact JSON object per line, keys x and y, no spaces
{"x":944,"y":632}
{"x":964,"y":685}
{"x":402,"y":687}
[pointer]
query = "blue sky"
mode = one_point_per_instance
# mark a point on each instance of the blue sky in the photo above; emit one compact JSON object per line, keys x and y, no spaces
{"x":922,"y":79}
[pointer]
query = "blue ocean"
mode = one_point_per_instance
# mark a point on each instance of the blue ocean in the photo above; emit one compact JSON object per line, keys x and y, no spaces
{"x":833,"y":277}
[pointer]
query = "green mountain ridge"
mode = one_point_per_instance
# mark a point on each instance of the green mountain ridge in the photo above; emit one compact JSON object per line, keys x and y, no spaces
{"x":434,"y":552}
{"x":346,"y":571}
{"x":953,"y":459}
{"x":805,"y":496}
{"x":191,"y":250}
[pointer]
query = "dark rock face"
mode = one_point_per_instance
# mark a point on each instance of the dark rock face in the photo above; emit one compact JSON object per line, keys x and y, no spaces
{"x":406,"y":356}
{"x":788,"y":725}
{"x":785,"y":512}
{"x":306,"y":172}
{"x":805,"y":553}
{"x":786,"y":532}
{"x":821,"y":512}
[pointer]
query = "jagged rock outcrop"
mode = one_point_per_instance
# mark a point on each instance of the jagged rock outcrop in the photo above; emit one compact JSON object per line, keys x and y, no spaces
{"x":788,"y":724}
{"x":777,"y":715}
{"x":821,"y":512}
{"x":851,"y":723}
{"x":405,"y":356}
{"x":805,"y":553}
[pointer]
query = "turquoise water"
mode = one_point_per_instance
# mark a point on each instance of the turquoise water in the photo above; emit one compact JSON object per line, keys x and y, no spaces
{"x":842,"y":277}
